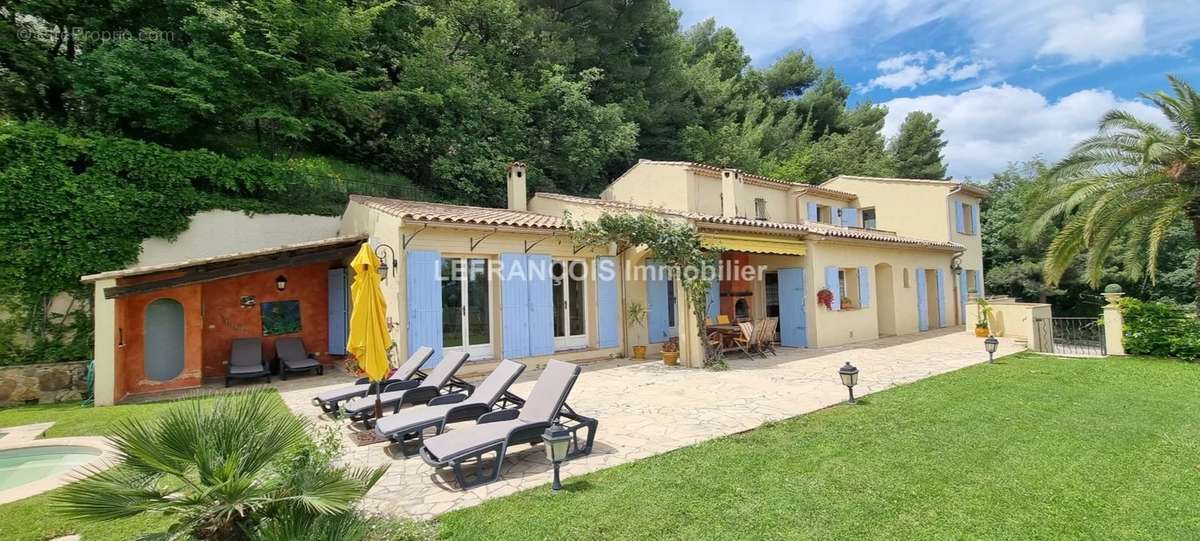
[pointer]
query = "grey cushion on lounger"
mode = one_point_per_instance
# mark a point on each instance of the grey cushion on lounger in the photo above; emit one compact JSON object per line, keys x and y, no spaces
{"x":486,"y":394}
{"x":544,"y":402}
{"x":292,"y":354}
{"x":403,"y":373}
{"x":436,"y":379}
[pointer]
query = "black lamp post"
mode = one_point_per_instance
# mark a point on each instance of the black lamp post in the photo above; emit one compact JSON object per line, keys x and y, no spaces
{"x":556,"y":437}
{"x":849,"y":376}
{"x":990,"y":345}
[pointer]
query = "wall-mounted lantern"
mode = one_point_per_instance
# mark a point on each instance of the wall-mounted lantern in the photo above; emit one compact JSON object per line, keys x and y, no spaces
{"x":382,"y":252}
{"x":280,"y":282}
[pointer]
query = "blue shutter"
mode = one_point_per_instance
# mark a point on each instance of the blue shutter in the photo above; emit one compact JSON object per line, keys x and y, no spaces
{"x":813,"y":214}
{"x":423,"y":280}
{"x":338,"y":311}
{"x":793,"y":327}
{"x":714,"y":299}
{"x":656,"y":303}
{"x":514,"y":305}
{"x":850,"y":217}
{"x":922,"y":302}
{"x":962,"y":295}
{"x":958,"y":217}
{"x":979,"y":283}
{"x":608,"y":317}
{"x":941,"y":297}
{"x":832,"y":284}
{"x":541,"y":304}
{"x":864,"y":287}
{"x":975,"y":214}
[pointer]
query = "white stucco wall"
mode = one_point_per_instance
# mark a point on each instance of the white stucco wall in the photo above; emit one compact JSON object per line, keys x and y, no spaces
{"x":219,"y":232}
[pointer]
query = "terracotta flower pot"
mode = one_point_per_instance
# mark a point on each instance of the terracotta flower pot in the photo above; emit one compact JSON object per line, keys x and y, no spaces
{"x":671,"y":358}
{"x":639,"y":353}
{"x":981,"y":332}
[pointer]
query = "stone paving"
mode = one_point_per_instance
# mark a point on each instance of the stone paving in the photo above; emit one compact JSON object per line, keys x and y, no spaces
{"x":648,"y":408}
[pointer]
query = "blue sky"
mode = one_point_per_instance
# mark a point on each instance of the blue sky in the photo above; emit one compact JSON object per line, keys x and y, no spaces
{"x":1007,"y":80}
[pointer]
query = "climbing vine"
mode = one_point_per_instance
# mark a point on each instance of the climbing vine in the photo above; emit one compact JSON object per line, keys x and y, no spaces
{"x":72,"y":205}
{"x":675,"y":245}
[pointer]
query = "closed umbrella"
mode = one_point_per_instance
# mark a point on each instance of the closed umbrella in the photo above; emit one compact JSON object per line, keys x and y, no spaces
{"x":369,"y":339}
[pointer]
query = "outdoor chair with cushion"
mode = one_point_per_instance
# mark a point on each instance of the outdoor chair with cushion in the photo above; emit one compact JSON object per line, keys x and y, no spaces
{"x":398,"y":393}
{"x":490,"y":394}
{"x":747,"y":341}
{"x":497,"y":431}
{"x":766,"y":341}
{"x":294,"y":358}
{"x":330,"y":401}
{"x":723,"y":319}
{"x":246,"y":361}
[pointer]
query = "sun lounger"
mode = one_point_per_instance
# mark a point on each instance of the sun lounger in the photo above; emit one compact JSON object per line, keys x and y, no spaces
{"x":331,"y":401}
{"x":452,"y":408}
{"x":246,"y":361}
{"x":498,"y":430}
{"x":294,"y":358}
{"x":440,"y":379}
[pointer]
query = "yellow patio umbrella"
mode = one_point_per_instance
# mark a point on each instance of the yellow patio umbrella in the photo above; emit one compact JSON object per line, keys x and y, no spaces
{"x":369,"y":339}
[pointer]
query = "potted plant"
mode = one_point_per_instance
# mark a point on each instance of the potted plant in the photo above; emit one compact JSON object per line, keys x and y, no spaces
{"x":985,"y":313}
{"x":636,"y":313}
{"x":670,"y":351}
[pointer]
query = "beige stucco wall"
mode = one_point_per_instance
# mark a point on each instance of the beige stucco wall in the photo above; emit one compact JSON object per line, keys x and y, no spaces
{"x":105,"y":346}
{"x":221,"y":232}
{"x":1012,"y":319}
{"x":652,"y":184}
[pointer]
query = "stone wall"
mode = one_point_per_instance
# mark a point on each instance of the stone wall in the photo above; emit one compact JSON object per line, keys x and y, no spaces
{"x":50,"y":382}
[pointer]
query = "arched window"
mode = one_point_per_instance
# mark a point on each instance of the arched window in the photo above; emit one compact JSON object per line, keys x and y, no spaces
{"x":163,"y":328}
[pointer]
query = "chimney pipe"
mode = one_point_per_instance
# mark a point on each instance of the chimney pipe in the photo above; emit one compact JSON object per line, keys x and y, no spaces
{"x":731,"y":191}
{"x":518,"y":198}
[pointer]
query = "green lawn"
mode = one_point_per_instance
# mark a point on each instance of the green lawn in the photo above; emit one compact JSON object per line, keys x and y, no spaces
{"x":1033,"y":447}
{"x":32,"y":519}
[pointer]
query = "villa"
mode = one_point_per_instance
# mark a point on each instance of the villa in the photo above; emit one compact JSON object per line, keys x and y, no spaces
{"x":888,"y":256}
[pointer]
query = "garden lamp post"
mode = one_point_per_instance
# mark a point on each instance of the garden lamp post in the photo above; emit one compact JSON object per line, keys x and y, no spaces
{"x":556,"y":437}
{"x":849,"y":376}
{"x":990,"y":345}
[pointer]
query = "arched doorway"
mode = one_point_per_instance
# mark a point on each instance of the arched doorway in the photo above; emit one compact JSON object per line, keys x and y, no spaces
{"x":162,"y":357}
{"x":886,"y":302}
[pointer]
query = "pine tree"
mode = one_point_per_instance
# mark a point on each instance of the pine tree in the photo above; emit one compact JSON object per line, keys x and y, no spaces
{"x":918,"y":148}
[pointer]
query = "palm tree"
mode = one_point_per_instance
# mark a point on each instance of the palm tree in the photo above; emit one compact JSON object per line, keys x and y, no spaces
{"x":222,"y":470}
{"x":1119,"y":192}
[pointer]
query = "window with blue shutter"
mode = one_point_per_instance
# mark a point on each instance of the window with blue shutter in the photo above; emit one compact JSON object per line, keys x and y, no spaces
{"x":941,"y":297}
{"x":975,"y":217}
{"x":835,"y":216}
{"x":962,"y":294}
{"x":864,"y":287}
{"x":424,"y":290}
{"x":541,"y":304}
{"x":714,"y":299}
{"x":607,"y":311}
{"x":833,"y":284}
{"x":959,"y":223}
{"x":657,"y":303}
{"x":814,"y":214}
{"x":339,"y":311}
{"x":514,"y":305}
{"x":979,"y":283}
{"x":922,"y":301}
{"x":793,"y":326}
{"x":850,"y":217}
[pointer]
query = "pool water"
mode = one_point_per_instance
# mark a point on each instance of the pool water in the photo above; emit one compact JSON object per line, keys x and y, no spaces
{"x":20,"y":466}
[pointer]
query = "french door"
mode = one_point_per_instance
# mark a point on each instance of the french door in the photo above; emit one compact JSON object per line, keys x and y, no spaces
{"x":466,"y":307}
{"x":570,"y":305}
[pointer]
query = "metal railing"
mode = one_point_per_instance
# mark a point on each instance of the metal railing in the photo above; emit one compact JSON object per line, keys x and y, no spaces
{"x":1082,"y":336}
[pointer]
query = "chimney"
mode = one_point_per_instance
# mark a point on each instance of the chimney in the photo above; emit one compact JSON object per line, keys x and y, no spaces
{"x":517,"y":196}
{"x":731,"y":191}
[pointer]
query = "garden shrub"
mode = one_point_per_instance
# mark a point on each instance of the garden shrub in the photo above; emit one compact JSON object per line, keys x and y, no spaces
{"x":1160,"y":329}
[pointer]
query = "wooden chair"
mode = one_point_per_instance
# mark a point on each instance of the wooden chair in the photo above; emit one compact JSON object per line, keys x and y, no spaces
{"x":767,"y":340}
{"x":723,"y":319}
{"x":716,"y":342}
{"x":746,"y":342}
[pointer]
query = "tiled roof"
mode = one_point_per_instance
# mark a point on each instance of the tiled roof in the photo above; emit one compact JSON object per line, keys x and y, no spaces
{"x":441,"y":212}
{"x":776,"y":182}
{"x":814,"y":228}
{"x":975,"y":189}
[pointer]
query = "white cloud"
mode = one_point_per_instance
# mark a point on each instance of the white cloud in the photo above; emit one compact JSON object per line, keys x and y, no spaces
{"x":915,"y":69}
{"x":1103,"y":37}
{"x":988,"y":127}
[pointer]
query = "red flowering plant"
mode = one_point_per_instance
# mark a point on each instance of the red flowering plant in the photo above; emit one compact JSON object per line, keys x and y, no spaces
{"x":825,"y":298}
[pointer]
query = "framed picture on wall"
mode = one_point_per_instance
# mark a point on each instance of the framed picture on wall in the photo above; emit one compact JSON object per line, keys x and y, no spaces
{"x":280,"y":317}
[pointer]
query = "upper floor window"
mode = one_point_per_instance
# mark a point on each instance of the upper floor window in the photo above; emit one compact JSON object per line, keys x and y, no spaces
{"x":868,"y":218}
{"x":968,"y":218}
{"x":760,"y":209}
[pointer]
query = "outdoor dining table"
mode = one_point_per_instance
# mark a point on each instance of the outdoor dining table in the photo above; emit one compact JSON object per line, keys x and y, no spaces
{"x":728,"y":332}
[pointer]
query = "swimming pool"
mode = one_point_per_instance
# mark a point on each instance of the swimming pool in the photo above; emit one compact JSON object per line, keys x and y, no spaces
{"x":29,"y":464}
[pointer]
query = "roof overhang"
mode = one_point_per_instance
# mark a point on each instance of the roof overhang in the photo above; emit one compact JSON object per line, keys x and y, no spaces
{"x":753,"y":243}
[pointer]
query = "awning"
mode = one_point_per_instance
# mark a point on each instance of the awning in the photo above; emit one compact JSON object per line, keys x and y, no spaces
{"x":752,"y":244}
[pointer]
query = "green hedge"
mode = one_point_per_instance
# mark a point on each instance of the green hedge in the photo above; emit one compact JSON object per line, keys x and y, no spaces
{"x":1160,"y":329}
